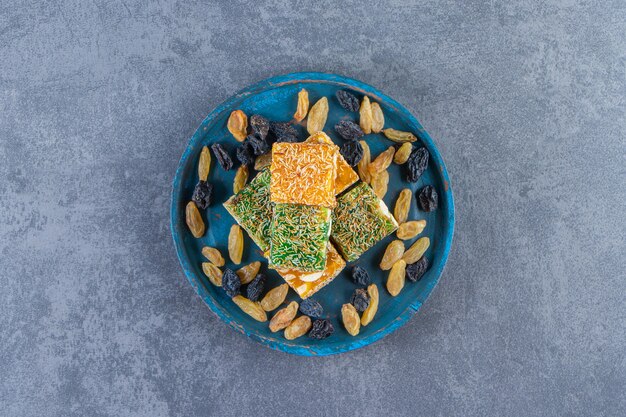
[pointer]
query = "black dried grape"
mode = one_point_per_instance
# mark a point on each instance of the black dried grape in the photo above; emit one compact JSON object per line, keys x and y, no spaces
{"x":287,"y":139}
{"x":349,"y":130}
{"x":347,"y":100}
{"x":202,"y":194}
{"x":258,"y":145}
{"x":360,"y":300}
{"x":416,"y":164}
{"x":414,"y":272}
{"x":428,"y":198}
{"x":283,"y":132}
{"x":311,"y":308}
{"x":223,"y":158}
{"x":260,"y":125}
{"x":352,"y":152}
{"x":360,"y":275}
{"x":321,"y":329}
{"x":230,"y":283}
{"x":245,"y":154}
{"x":256,"y":287}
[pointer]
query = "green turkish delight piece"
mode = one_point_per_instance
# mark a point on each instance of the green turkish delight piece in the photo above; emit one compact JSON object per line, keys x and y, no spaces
{"x":300,"y":237}
{"x":360,"y":220}
{"x":252,"y":209}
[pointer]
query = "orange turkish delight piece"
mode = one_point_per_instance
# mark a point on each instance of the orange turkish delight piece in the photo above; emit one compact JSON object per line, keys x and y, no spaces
{"x":304,"y":173}
{"x":345,"y":174}
{"x":308,"y":283}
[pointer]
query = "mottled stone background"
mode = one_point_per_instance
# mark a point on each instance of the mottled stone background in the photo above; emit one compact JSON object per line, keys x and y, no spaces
{"x":525,"y":99}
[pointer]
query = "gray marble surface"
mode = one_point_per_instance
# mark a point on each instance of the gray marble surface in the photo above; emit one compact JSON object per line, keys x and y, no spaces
{"x":525,"y":99}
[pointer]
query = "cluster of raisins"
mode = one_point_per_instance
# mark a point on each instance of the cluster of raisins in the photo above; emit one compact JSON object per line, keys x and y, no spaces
{"x":352,"y":151}
{"x":321,"y":328}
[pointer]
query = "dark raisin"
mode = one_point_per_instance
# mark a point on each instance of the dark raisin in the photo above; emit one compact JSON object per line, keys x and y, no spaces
{"x":288,"y":139}
{"x":202,"y":194}
{"x":349,"y":130}
{"x":283,"y":132}
{"x":360,"y":299}
{"x":223,"y":158}
{"x":352,"y":152}
{"x":428,"y":198}
{"x":255,"y":287}
{"x":245,"y":154}
{"x":230,"y":283}
{"x":259,"y":146}
{"x":360,"y":275}
{"x":260,"y":125}
{"x":416,"y":164}
{"x":347,"y":100}
{"x":415,"y":271}
{"x":311,"y":308}
{"x":321,"y":329}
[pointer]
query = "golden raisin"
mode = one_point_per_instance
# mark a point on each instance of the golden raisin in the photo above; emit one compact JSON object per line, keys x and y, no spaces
{"x":238,"y":125}
{"x":399,"y":136}
{"x":379,"y":183}
{"x":204,"y":164}
{"x":370,"y":311}
{"x":409,"y":230}
{"x":317,"y":116}
{"x":213,"y":255}
{"x":241,"y":178}
{"x":251,"y":308}
{"x":213,"y":273}
{"x":274,"y":297}
{"x":362,"y":166}
{"x":416,"y":251}
{"x":350,"y":318}
{"x":395,"y":281}
{"x":382,"y":161}
{"x":194,"y":220}
{"x":303,"y":105}
{"x":247,"y":273}
{"x":393,"y":253}
{"x":378,"y":118}
{"x":263,"y":161}
{"x":403,"y":205}
{"x":365,"y":116}
{"x":298,"y":327}
{"x":284,"y":317}
{"x":403,"y":153}
{"x":235,"y":244}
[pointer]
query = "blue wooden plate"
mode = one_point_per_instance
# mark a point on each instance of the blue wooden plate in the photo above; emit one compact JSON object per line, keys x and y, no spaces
{"x":275,"y":98}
